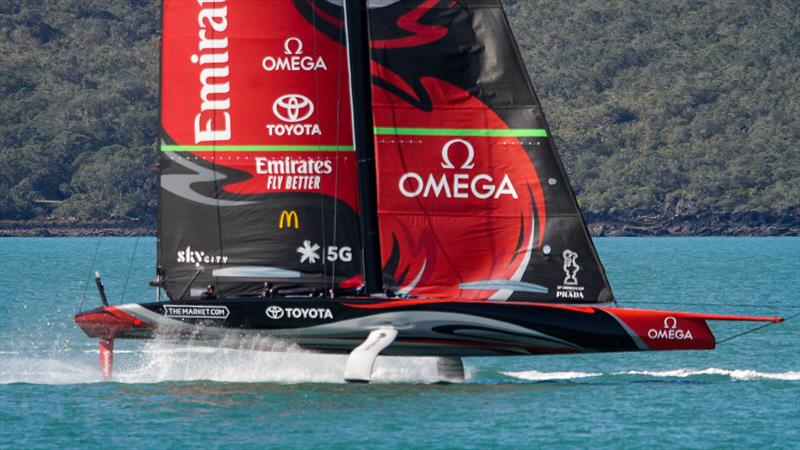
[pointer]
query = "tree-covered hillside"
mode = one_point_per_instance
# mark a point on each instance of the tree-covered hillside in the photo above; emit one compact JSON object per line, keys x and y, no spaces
{"x":663,"y":110}
{"x":671,"y":107}
{"x":78,"y":108}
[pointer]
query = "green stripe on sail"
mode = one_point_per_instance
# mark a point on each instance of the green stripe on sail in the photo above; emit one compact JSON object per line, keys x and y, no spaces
{"x":480,"y":132}
{"x":256,"y":148}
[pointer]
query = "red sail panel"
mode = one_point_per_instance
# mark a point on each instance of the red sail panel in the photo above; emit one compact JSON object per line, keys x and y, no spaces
{"x":473,"y":199}
{"x":462,"y":207}
{"x":257,"y":166}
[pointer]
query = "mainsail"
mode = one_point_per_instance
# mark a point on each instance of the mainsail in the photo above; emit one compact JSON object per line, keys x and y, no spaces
{"x":257,"y":171}
{"x":258,"y":174}
{"x":474,"y":201}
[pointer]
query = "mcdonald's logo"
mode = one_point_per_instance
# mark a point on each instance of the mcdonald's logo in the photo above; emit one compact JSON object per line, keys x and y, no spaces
{"x":289,"y":219}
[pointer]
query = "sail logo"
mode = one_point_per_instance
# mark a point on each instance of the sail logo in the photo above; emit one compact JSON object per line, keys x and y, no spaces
{"x":292,"y":109}
{"x":570,"y":288}
{"x":309,"y":252}
{"x":457,"y":181}
{"x":289,"y":219}
{"x":196,"y":312}
{"x":670,"y":331}
{"x":213,"y":122}
{"x":197,"y":257}
{"x":293,"y":59}
{"x":290,"y":173}
{"x":276,"y":312}
{"x":571,"y":268}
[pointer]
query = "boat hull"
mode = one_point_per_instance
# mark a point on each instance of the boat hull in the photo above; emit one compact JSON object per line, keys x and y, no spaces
{"x":425,"y":327}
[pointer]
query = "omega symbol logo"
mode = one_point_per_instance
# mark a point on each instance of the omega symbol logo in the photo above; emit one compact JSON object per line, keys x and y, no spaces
{"x":293,"y":108}
{"x":448,"y":164}
{"x":456,"y":182}
{"x":287,"y":46}
{"x":274,"y":312}
{"x":670,"y":331}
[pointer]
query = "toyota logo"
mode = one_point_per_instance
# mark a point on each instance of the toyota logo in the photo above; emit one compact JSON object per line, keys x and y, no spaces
{"x":274,"y":312}
{"x":293,"y":108}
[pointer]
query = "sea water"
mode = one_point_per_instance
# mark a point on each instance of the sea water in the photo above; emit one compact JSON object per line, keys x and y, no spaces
{"x":745,"y":394}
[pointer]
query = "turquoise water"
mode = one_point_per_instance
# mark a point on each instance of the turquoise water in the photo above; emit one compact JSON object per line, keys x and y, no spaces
{"x":745,"y":394}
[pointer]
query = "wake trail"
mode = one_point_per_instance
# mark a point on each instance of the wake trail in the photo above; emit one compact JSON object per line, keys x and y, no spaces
{"x":733,"y":374}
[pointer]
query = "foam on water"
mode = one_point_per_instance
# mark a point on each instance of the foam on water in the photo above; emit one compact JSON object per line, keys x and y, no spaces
{"x":535,"y":375}
{"x":734,"y":374}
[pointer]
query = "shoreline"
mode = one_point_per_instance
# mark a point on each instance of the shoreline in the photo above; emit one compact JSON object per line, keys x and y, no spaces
{"x":697,"y":225}
{"x":599,"y":227}
{"x":56,"y":228}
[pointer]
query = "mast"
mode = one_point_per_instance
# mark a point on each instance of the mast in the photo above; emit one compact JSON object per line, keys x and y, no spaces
{"x":357,"y":35}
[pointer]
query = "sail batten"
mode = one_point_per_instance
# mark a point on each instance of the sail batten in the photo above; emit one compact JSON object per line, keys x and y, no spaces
{"x":500,"y":132}
{"x":256,"y":148}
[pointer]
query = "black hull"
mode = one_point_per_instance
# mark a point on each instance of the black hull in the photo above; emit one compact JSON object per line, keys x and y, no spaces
{"x":425,"y":328}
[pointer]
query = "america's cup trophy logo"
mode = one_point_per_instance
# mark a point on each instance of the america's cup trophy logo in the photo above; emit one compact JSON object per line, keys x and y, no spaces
{"x":571,"y":268}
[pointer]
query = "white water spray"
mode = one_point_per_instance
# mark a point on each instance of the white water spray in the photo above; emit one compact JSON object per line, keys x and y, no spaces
{"x":237,"y":360}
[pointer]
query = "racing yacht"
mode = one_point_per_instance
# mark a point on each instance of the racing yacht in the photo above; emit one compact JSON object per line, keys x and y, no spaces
{"x":369,"y":179}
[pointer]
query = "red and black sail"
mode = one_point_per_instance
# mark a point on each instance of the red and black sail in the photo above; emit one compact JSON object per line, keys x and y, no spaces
{"x":474,"y":201}
{"x":257,"y":171}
